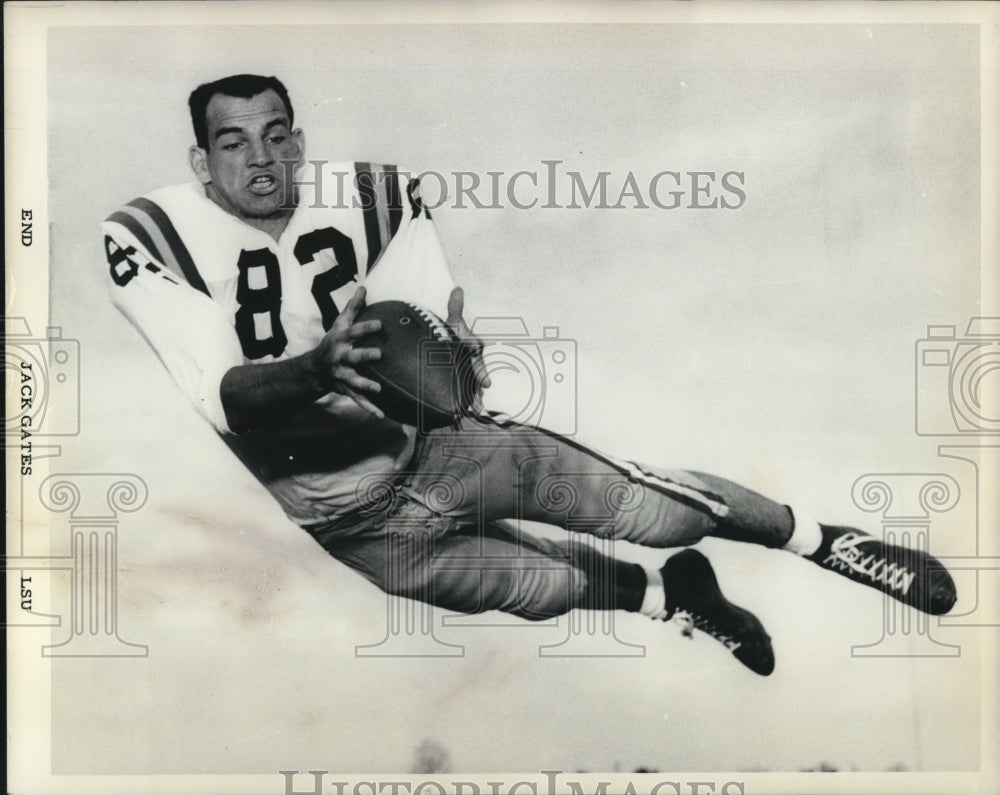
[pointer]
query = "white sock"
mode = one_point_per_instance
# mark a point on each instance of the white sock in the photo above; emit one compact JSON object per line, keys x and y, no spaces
{"x":654,"y":601}
{"x":806,"y":535}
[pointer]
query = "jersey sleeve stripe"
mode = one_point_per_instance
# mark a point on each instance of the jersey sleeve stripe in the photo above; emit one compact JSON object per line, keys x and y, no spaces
{"x":148,"y":233}
{"x":393,"y":200}
{"x":369,"y":204}
{"x":135,"y":227}
{"x":382,"y":206}
{"x":177,"y":257}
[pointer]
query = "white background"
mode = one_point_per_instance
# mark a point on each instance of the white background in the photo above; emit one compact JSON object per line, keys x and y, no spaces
{"x":773,"y":344}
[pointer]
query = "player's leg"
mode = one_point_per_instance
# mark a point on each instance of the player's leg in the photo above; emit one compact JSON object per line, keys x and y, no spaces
{"x":512,"y":472}
{"x":909,"y":575}
{"x":536,"y":475}
{"x":520,"y":473}
{"x":914,"y":577}
{"x":473,"y":570}
{"x":676,"y":503}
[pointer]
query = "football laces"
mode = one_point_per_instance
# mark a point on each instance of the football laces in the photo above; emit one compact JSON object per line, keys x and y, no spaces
{"x":441,"y":330}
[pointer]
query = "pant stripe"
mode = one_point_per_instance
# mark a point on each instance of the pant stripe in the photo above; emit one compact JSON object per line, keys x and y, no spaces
{"x":701,"y":500}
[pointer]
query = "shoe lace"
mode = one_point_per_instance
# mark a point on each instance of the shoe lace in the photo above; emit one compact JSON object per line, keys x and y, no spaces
{"x":873,"y":563}
{"x":690,"y":621}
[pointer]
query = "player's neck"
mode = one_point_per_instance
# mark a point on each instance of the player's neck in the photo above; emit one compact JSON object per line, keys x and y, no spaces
{"x":272,"y":225}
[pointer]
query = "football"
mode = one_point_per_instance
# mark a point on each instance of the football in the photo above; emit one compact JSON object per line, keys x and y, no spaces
{"x":425,"y":372}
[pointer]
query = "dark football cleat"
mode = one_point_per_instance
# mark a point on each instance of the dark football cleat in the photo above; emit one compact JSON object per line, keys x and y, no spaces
{"x":913,"y":577}
{"x":693,"y":597}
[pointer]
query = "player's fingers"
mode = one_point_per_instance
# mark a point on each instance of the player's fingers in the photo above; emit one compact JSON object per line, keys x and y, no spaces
{"x":360,"y":383}
{"x":469,"y":339}
{"x":479,"y":369}
{"x":365,"y":403}
{"x":353,"y":306}
{"x":358,"y":330}
{"x":358,"y":298}
{"x":456,"y":305}
{"x":349,"y":379}
{"x":474,"y":350}
{"x":359,"y":355}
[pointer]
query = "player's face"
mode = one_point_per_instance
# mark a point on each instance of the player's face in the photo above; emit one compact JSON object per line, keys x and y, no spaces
{"x":244,"y":169}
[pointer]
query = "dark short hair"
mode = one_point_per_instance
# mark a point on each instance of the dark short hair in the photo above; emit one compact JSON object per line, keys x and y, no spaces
{"x":242,"y":86}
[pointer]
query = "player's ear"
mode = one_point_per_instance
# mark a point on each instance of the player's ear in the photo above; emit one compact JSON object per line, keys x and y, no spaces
{"x":198,"y":158}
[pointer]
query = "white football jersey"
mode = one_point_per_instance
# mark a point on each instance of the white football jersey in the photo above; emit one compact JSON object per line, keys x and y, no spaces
{"x":209,"y":293}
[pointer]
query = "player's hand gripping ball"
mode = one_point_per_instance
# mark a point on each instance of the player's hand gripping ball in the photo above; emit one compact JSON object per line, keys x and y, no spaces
{"x":426,"y":371}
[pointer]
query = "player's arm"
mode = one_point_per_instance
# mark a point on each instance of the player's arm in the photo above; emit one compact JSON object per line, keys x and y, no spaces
{"x":257,"y":394}
{"x":195,"y":340}
{"x":189,"y":332}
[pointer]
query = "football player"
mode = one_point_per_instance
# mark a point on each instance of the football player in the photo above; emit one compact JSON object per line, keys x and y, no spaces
{"x":247,"y":284}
